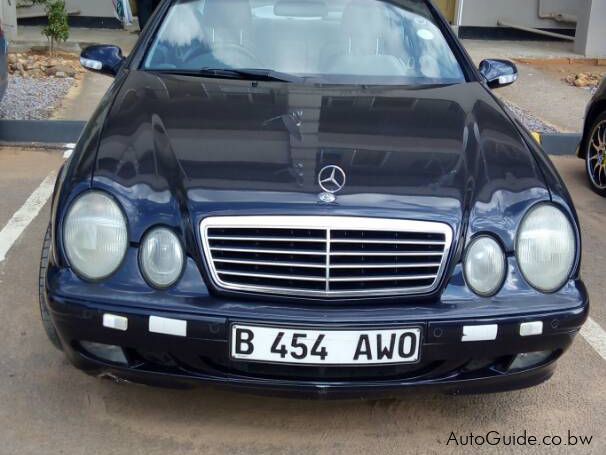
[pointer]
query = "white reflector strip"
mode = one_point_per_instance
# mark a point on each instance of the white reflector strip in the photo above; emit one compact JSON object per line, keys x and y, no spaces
{"x":528,"y":329}
{"x":111,"y":321}
{"x":167,"y":326}
{"x":480,"y":333}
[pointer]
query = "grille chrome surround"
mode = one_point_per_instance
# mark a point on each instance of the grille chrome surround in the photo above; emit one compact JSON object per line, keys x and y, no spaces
{"x":325,"y":256}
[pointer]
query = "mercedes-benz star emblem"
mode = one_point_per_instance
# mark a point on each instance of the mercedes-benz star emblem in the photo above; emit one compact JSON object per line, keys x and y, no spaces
{"x":332,"y":179}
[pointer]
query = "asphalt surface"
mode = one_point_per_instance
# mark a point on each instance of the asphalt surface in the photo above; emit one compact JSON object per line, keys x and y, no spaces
{"x":47,"y":406}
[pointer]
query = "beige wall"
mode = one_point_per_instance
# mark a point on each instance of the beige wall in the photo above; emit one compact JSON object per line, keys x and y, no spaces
{"x":482,"y":13}
{"x":448,"y":8}
{"x":8,"y":17}
{"x":97,"y":8}
{"x":486,"y":13}
{"x":590,"y":35}
{"x":94,"y":8}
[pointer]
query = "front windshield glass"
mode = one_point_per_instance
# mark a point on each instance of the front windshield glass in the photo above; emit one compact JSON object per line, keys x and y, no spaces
{"x":331,"y":41}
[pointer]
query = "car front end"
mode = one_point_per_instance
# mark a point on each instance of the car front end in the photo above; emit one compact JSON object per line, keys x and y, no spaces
{"x":316,"y":238}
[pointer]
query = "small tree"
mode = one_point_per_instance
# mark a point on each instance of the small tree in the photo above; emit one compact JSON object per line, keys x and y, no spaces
{"x":57,"y":29}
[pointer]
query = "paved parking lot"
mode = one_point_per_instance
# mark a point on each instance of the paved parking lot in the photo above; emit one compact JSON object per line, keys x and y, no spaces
{"x":49,"y":407}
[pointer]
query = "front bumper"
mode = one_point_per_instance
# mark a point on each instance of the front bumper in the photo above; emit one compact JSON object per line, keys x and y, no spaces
{"x":202,"y":357}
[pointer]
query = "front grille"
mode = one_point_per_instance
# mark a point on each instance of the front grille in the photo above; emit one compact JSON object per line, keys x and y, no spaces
{"x":325,"y":256}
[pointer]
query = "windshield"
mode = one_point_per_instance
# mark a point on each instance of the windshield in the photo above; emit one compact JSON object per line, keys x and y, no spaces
{"x":332,"y":41}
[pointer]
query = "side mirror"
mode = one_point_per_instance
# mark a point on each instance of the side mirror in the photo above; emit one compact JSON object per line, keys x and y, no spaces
{"x":105,"y":59}
{"x":499,"y":73}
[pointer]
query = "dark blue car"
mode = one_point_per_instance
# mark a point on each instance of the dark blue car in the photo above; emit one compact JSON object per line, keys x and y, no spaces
{"x":314,"y":197}
{"x":593,"y":144}
{"x":3,"y":63}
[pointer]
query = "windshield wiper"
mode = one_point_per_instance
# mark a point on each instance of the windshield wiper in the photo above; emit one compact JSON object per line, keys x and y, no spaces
{"x":267,"y":75}
{"x":248,"y":74}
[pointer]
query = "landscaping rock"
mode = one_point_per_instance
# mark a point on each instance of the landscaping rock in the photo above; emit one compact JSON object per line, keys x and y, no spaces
{"x":585,"y":80}
{"x":41,"y":65}
{"x":65,"y":69}
{"x":36,"y":73}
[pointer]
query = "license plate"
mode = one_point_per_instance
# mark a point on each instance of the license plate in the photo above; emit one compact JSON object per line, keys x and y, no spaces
{"x":324,"y":347}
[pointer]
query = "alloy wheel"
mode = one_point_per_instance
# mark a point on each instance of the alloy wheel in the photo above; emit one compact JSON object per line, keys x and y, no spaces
{"x":596,"y":156}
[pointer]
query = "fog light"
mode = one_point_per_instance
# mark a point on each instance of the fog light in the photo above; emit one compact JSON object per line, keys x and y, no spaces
{"x":108,"y":352}
{"x":529,"y":360}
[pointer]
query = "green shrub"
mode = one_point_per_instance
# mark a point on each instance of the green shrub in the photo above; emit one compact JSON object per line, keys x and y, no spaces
{"x":57,"y":29}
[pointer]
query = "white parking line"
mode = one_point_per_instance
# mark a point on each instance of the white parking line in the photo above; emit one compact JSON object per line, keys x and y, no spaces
{"x":25,"y":215}
{"x":595,"y":336}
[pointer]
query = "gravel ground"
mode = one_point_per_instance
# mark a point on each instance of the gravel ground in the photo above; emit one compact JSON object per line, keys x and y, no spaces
{"x":531,"y":121}
{"x":33,"y":99}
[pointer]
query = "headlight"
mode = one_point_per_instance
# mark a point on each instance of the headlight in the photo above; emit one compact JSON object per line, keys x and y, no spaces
{"x":546,"y":248}
{"x":161,"y":258}
{"x":95,"y":236}
{"x":485,"y":266}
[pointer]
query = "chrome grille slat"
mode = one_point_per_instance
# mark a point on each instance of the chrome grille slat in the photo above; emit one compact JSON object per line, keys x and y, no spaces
{"x":390,"y":242}
{"x":325,"y":256}
{"x":273,"y":276}
{"x":276,"y":264}
{"x":386,"y":253}
{"x":267,"y":239}
{"x":269,"y":251}
{"x":386,"y":266}
{"x":383,"y":278}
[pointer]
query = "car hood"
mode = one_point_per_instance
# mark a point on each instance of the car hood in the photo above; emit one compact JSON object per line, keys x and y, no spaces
{"x":189,"y":147}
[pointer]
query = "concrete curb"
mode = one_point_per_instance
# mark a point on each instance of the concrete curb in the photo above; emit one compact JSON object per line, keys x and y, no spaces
{"x":26,"y":46}
{"x":52,"y":132}
{"x":20,"y":132}
{"x":560,"y":144}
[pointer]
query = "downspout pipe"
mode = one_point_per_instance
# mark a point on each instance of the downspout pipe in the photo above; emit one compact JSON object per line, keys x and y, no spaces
{"x":535,"y":31}
{"x":558,"y":17}
{"x":459,"y":14}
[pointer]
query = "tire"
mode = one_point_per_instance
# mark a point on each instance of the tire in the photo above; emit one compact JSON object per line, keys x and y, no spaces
{"x":47,"y":321}
{"x":595,"y":155}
